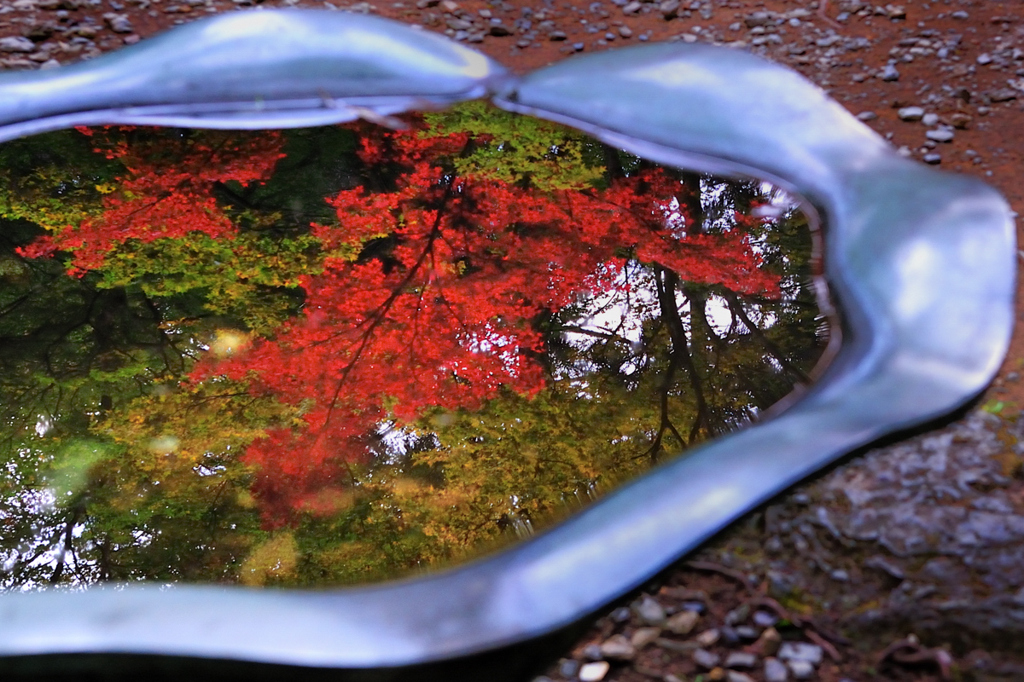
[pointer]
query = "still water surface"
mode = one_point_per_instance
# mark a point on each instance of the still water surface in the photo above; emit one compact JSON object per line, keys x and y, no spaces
{"x":340,"y":355}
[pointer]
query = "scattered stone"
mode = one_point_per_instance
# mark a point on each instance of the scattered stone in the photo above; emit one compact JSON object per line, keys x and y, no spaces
{"x":557,"y":36}
{"x":738,"y":615}
{"x":620,"y":614}
{"x":40,"y":32}
{"x":705,"y":659}
{"x":930,"y":119}
{"x":708,"y":637}
{"x":118,"y":23}
{"x":775,"y":670}
{"x":740,"y":659}
{"x":802,"y":670}
{"x":500,"y":30}
{"x":683,"y":622}
{"x":880,"y":563}
{"x":910,"y":113}
{"x":840,"y":576}
{"x":801,"y":651}
{"x":960,"y":121}
{"x":757,"y":19}
{"x":747,"y":633}
{"x":1001,"y":95}
{"x":769,"y":642}
{"x":729,"y":636}
{"x":895,"y":12}
{"x":644,"y":636}
{"x":716,"y":674}
{"x":594,"y":672}
{"x":568,"y":668}
{"x":625,"y":31}
{"x":649,"y":611}
{"x":867,"y":116}
{"x":959,"y":14}
{"x":889,"y":73}
{"x":685,"y":648}
{"x":618,"y":648}
{"x":578,"y":47}
{"x":940,"y":135}
{"x":736,"y":676}
{"x":764,"y":619}
{"x":631,"y":8}
{"x":780,"y":585}
{"x":984,"y":58}
{"x":592,"y":652}
{"x":16,"y":44}
{"x":695,"y":606}
{"x":669,"y":9}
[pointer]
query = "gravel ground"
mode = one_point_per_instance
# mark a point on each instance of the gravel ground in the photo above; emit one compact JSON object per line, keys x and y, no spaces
{"x":902,"y":564}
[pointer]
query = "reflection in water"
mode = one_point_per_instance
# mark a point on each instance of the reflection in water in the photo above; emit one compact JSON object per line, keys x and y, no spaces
{"x":335,"y":355}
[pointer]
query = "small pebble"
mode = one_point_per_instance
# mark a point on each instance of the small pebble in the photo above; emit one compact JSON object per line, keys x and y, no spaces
{"x":889,"y":73}
{"x":644,"y":636}
{"x":649,"y":611}
{"x":940,"y":135}
{"x":708,"y":637}
{"x":801,"y":651}
{"x":930,"y":119}
{"x":736,"y":676}
{"x":620,"y":615}
{"x":729,"y":636}
{"x":867,"y":116}
{"x":747,"y":633}
{"x":740,"y":659}
{"x":618,"y":648}
{"x":705,"y":659}
{"x":763,"y":619}
{"x":910,"y":113}
{"x":568,"y":668}
{"x":932,"y":159}
{"x":683,"y":622}
{"x":625,"y":31}
{"x":802,"y":670}
{"x":984,"y":58}
{"x":737,"y":615}
{"x":769,"y":642}
{"x":592,"y":652}
{"x":775,"y":670}
{"x":695,"y":606}
{"x":594,"y":672}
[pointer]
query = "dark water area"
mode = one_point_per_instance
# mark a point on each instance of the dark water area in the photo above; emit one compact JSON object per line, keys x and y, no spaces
{"x":340,"y":355}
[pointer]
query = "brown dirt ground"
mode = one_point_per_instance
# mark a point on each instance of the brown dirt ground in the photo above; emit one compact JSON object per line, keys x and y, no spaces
{"x":990,"y":145}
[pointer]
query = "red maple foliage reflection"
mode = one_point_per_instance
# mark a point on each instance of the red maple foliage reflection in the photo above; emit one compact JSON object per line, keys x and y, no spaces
{"x":441,"y":307}
{"x":440,"y":301}
{"x":166,"y":193}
